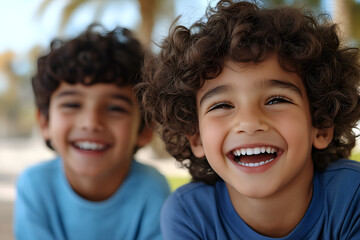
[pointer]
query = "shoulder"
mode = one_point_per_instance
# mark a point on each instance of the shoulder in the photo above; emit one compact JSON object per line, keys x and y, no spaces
{"x":194,"y":190}
{"x":340,"y":182}
{"x":189,"y":199}
{"x":340,"y":185}
{"x":193,"y":208}
{"x":148,"y":177}
{"x":146,"y":172}
{"x":345,"y":164}
{"x":40,"y":172}
{"x":343,"y":170}
{"x":39,"y":181}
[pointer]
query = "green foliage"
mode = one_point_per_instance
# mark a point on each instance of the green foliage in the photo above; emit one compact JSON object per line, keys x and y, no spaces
{"x":177,"y":181}
{"x":355,"y":20}
{"x":315,"y":5}
{"x":355,"y":156}
{"x":297,"y":3}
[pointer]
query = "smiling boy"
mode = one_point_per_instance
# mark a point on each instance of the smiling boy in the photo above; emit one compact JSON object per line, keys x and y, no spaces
{"x":261,"y":111}
{"x":89,"y":115}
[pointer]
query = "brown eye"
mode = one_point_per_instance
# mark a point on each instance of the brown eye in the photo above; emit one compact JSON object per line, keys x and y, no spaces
{"x":116,"y":109}
{"x":220,"y":105}
{"x":277,"y":100}
{"x":70,"y":105}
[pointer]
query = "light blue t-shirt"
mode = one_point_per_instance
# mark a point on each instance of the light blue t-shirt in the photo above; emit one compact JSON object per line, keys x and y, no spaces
{"x":200,"y":211}
{"x":47,"y":208}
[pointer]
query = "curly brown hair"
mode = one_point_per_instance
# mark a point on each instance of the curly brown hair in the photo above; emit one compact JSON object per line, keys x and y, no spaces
{"x":244,"y":32}
{"x":95,"y":56}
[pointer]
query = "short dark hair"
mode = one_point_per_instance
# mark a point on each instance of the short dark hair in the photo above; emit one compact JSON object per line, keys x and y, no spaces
{"x":244,"y":32}
{"x":95,"y":56}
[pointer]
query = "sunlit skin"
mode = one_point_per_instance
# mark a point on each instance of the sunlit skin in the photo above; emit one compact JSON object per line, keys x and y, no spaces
{"x":260,"y":106}
{"x":95,"y":130}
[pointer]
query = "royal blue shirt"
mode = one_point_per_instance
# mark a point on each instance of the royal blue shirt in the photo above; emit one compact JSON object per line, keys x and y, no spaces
{"x":201,"y":211}
{"x":47,"y":208}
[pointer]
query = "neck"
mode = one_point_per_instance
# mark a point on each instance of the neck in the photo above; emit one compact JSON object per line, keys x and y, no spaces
{"x":276,"y":215}
{"x":97,"y":188}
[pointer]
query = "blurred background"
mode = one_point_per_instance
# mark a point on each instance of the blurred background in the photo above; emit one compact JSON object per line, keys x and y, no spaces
{"x":26,"y":30}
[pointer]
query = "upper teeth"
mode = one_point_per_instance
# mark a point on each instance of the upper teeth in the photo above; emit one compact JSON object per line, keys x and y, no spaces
{"x":90,"y":145}
{"x":254,"y":151}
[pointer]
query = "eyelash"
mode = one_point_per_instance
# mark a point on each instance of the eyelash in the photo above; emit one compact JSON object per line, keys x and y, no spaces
{"x":110,"y":108}
{"x":272,"y":100}
{"x":278,"y":99}
{"x":220,"y":105}
{"x":70,"y":105}
{"x":117,"y":109}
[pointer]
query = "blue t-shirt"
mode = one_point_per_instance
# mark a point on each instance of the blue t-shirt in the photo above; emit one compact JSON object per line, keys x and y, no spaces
{"x":200,"y":211}
{"x":47,"y":208}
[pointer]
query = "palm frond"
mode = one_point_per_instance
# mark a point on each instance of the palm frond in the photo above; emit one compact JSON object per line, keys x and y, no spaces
{"x":355,"y":21}
{"x":42,"y":8}
{"x":69,"y":11}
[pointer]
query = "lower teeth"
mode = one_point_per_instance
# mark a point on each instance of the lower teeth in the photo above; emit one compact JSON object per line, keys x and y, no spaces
{"x":255,"y":164}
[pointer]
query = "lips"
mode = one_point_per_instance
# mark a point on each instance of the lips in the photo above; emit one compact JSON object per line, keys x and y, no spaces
{"x":90,"y":146}
{"x":253,"y":157}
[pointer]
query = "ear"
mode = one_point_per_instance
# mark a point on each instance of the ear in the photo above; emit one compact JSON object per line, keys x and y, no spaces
{"x":144,"y":137}
{"x":43,"y":124}
{"x":196,"y":145}
{"x":323,"y":137}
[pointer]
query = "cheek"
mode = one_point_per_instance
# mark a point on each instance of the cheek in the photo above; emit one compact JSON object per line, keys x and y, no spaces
{"x":297,"y":130}
{"x":213,"y":136}
{"x":58,"y":123}
{"x":126,"y":131}
{"x":211,"y":130}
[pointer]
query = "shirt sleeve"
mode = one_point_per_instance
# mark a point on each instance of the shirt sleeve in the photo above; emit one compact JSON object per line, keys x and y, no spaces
{"x":175,"y":221}
{"x":354,"y":219}
{"x":355,"y":233}
{"x":29,"y":219}
{"x":150,"y":224}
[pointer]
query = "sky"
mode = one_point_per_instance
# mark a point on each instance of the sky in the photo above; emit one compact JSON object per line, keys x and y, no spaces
{"x":21,"y":28}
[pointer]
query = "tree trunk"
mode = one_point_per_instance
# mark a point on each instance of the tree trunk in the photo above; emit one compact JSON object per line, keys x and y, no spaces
{"x":341,"y":16}
{"x":147,"y":10}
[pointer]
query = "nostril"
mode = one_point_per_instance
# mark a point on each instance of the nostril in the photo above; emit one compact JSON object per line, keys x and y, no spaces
{"x":91,"y":123}
{"x":250,"y":128}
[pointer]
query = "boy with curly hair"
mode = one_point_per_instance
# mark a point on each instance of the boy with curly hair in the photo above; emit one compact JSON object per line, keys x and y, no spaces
{"x":88,"y":113}
{"x":260,"y":105}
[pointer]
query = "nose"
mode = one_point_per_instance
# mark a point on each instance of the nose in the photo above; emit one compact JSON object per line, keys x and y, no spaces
{"x":91,"y":120}
{"x":250,"y":121}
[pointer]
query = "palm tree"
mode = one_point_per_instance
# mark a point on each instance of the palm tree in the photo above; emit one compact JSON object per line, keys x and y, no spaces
{"x":9,"y":98}
{"x":345,"y":12}
{"x":149,"y":10}
{"x":354,"y":11}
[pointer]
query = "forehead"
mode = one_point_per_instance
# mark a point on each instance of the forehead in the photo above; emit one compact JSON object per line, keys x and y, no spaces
{"x":263,"y":75}
{"x":98,"y":91}
{"x":98,"y":88}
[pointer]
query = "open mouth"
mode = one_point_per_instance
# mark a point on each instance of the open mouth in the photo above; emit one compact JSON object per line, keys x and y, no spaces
{"x":253,"y":157}
{"x":90,"y":146}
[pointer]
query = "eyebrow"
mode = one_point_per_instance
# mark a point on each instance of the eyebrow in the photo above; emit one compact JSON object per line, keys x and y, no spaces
{"x":282,"y":84}
{"x":111,"y":95}
{"x":214,"y":91}
{"x":66,"y":93}
{"x":122,"y":97}
{"x":271,"y":83}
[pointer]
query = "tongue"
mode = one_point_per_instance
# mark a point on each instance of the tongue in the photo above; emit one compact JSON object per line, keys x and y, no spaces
{"x":255,"y":158}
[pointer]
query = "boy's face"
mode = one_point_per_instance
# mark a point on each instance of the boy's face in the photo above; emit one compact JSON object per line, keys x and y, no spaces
{"x":255,"y":128}
{"x":94,"y":128}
